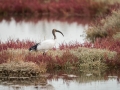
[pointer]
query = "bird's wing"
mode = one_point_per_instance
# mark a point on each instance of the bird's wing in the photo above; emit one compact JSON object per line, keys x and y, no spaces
{"x":45,"y":45}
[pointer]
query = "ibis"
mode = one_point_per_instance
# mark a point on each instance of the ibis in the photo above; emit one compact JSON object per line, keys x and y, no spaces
{"x":45,"y":45}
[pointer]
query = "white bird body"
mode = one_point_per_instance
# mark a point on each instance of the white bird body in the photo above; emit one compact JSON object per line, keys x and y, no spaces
{"x":47,"y":44}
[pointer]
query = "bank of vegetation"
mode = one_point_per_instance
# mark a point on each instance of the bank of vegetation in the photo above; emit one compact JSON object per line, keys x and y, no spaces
{"x":67,"y":8}
{"x":105,"y":34}
{"x":15,"y":57}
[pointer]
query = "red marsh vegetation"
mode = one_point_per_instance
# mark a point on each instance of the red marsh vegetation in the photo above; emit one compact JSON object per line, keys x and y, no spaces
{"x":87,"y":8}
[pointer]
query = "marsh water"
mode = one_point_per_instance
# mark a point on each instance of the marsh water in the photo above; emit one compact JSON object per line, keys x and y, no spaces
{"x":68,"y":80}
{"x":42,"y":30}
{"x":74,"y":80}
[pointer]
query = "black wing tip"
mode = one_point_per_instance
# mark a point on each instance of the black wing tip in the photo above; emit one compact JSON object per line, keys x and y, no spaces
{"x":34,"y":48}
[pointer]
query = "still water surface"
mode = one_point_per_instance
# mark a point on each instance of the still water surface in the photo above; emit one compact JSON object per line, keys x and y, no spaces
{"x":42,"y":30}
{"x":88,"y":81}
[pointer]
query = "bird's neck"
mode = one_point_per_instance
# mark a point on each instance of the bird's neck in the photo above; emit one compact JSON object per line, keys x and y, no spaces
{"x":54,"y":35}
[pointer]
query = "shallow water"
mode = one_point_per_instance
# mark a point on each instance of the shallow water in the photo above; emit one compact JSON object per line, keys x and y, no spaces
{"x":66,"y":81}
{"x":42,"y":30}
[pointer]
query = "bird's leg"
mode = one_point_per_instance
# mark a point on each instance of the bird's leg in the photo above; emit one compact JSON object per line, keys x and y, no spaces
{"x":44,"y":54}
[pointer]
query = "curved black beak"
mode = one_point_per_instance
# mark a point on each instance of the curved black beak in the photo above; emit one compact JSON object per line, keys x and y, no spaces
{"x":59,"y":31}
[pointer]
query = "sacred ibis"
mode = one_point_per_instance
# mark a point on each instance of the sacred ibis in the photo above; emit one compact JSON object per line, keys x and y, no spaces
{"x":47,"y":44}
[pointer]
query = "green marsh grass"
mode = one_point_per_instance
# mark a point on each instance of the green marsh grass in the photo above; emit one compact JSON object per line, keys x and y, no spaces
{"x":107,"y":27}
{"x":92,"y":58}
